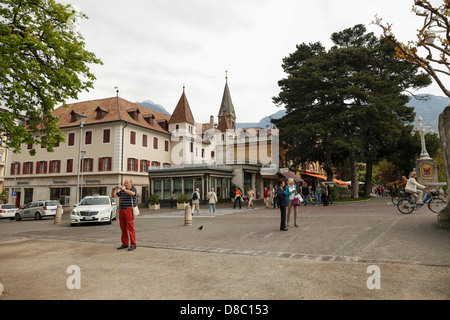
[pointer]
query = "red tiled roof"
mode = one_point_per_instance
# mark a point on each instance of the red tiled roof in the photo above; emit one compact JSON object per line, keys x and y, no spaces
{"x":116,"y":109}
{"x":182,"y":112}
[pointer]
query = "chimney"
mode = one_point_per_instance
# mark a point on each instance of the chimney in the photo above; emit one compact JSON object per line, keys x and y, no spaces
{"x":211,"y":122}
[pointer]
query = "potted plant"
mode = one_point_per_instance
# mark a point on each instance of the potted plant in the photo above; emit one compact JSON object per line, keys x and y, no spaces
{"x":182,"y":201}
{"x":154,"y":202}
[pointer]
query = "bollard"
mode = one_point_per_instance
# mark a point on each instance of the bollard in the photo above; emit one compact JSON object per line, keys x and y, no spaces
{"x":187,"y":215}
{"x":58,"y":216}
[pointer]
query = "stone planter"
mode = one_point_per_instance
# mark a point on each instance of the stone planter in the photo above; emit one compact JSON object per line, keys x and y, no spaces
{"x":154,"y":207}
{"x":180,"y":206}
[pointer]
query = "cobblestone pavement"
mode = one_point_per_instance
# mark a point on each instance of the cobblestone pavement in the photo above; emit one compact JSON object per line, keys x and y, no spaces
{"x":239,"y":254}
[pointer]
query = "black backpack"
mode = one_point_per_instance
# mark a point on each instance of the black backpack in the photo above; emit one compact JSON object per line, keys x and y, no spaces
{"x":194,"y":196}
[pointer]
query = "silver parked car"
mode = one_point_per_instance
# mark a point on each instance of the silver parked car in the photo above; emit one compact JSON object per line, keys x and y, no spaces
{"x":37,"y":210}
{"x":7,"y":211}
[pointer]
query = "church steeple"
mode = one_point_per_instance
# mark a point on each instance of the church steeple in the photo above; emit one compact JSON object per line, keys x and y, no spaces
{"x":226,"y":107}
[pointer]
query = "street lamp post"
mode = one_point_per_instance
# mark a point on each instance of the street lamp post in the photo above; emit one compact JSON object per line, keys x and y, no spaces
{"x":82,"y":118}
{"x":83,"y":152}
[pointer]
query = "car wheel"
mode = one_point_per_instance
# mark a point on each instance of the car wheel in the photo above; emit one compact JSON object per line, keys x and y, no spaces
{"x":18,"y":218}
{"x":38,"y":216}
{"x":110,"y":219}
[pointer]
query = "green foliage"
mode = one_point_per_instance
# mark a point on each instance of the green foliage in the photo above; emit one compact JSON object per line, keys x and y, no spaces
{"x":43,"y":63}
{"x":154,"y":199}
{"x":183,"y":198}
{"x":348,"y":99}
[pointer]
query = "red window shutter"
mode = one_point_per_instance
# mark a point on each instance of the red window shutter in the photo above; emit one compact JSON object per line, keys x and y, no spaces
{"x":109,"y":164}
{"x":69,"y":165}
{"x":88,"y":137}
{"x":166,"y":146}
{"x":38,"y":167}
{"x":136,"y":165}
{"x":148,"y":164}
{"x":155,"y":143}
{"x":144,"y":140}
{"x":91,"y":161}
{"x":142,"y":165}
{"x":129,"y":164}
{"x":106,"y":135}
{"x":45,"y":167}
{"x":132,"y":137}
{"x":71,"y":139}
{"x":59,"y":166}
{"x":50,"y":167}
{"x":100,"y":164}
{"x":13,"y":167}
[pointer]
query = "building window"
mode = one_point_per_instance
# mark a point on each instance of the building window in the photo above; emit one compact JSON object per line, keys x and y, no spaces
{"x":54,"y":166}
{"x":166,"y":145}
{"x":15,"y":168}
{"x":69,"y":167}
{"x":88,"y":138}
{"x":29,"y":146}
{"x":41,"y":167}
{"x":156,"y":164}
{"x":132,"y":137}
{"x":87,"y":165}
{"x":28,"y":168}
{"x":145,"y":165}
{"x":104,"y":164}
{"x":106,"y":135}
{"x":71,"y":141}
{"x":144,"y":140}
{"x":155,"y":143}
{"x":132,"y":164}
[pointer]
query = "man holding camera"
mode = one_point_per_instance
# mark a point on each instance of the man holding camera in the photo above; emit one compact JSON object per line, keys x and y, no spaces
{"x":127,"y":195}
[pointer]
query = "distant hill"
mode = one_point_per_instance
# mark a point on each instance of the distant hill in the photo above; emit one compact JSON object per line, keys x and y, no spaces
{"x":426,"y":106}
{"x":155,"y":107}
{"x":429,"y":109}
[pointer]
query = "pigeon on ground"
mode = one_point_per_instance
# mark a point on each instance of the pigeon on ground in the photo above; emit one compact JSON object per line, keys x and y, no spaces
{"x":201,"y":227}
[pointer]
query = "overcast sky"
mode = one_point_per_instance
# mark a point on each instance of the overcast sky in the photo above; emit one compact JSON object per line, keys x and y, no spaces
{"x":151,"y":48}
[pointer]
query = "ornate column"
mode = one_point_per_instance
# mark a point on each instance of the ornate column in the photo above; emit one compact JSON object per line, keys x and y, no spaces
{"x":444,"y":132}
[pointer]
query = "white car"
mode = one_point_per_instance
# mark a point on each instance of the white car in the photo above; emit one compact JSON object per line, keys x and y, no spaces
{"x":94,"y":209}
{"x":37,"y":210}
{"x":7,"y":211}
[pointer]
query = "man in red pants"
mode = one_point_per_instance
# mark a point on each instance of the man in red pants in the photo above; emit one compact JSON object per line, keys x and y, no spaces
{"x":127,"y":195}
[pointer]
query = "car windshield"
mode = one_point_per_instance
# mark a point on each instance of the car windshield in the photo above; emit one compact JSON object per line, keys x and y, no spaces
{"x":51,"y":203}
{"x":94,"y":202}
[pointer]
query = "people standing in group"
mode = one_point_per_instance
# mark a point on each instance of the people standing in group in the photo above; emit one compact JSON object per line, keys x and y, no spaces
{"x":250,"y":196}
{"x":305,"y":194}
{"x":291,"y":192}
{"x":196,"y":201}
{"x":237,"y":198}
{"x":281,"y":196}
{"x":127,"y":196}
{"x":266,"y":197}
{"x":173,"y":200}
{"x":318,"y":195}
{"x":212,"y":199}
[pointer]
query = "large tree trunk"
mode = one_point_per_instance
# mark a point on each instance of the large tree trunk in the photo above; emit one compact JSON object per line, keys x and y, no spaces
{"x":354,"y":176}
{"x":368,"y":185}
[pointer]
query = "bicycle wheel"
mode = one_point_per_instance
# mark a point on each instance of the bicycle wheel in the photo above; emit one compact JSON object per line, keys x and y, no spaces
{"x":436,"y":204}
{"x":405,"y":206}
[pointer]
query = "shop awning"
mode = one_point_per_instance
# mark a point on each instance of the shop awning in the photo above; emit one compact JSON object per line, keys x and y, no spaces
{"x":321,"y":177}
{"x":289,"y":174}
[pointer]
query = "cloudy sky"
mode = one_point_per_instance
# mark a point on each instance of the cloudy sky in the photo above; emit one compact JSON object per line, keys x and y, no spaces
{"x":151,"y":48}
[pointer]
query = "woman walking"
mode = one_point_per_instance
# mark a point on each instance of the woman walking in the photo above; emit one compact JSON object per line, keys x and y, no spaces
{"x":291,"y":192}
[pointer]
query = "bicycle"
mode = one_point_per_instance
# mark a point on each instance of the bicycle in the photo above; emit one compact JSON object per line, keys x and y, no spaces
{"x":435,"y":204}
{"x":397,"y":196}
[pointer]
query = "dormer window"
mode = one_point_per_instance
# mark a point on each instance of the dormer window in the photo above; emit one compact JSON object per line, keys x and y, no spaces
{"x":150,"y":119}
{"x":73,"y":116}
{"x":100,"y":113}
{"x":134,"y":114}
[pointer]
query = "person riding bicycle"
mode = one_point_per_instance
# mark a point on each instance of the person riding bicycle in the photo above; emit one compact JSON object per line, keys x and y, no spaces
{"x":414,"y":188}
